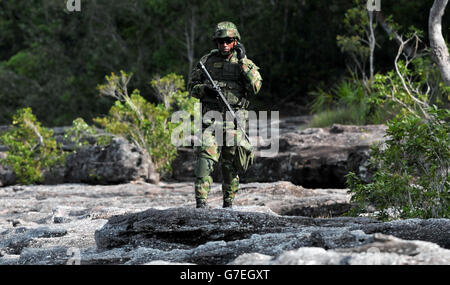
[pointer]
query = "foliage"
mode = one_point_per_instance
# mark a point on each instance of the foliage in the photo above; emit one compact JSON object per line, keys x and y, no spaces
{"x":357,"y":42}
{"x":171,"y":90}
{"x":81,"y":134}
{"x":412,"y":85}
{"x":51,"y":59}
{"x":412,"y":178}
{"x":32,"y":150}
{"x":351,"y":115}
{"x":348,"y":103}
{"x":146,"y":124}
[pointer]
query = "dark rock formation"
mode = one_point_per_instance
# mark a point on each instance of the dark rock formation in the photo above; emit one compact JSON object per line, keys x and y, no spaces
{"x":206,"y":236}
{"x":319,"y":158}
{"x":432,"y":230}
{"x":7,"y":175}
{"x":119,"y":162}
{"x":384,"y":250}
{"x":192,"y":227}
{"x":313,"y":158}
{"x":197,"y":226}
{"x":158,"y":224}
{"x":14,"y":240}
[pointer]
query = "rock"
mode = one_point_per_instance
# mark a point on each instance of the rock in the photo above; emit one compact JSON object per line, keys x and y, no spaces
{"x":285,"y":198}
{"x":181,"y":227}
{"x":252,"y":258}
{"x":385,"y":250}
{"x":183,"y":165}
{"x":14,"y":240}
{"x":432,"y":230}
{"x":216,"y":236}
{"x":44,"y":256}
{"x":313,"y":158}
{"x":142,"y":223}
{"x":319,"y":158}
{"x":7,"y":175}
{"x":64,"y":214}
{"x":162,"y":262}
{"x":219,"y":252}
{"x":119,"y":162}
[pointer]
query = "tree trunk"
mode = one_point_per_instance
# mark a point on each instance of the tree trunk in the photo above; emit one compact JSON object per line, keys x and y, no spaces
{"x":372,"y":44}
{"x":439,"y":49}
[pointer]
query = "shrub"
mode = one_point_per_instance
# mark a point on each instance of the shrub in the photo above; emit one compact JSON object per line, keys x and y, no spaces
{"x":81,"y":134}
{"x":145,"y":124}
{"x":412,"y":177}
{"x":171,"y":91}
{"x":32,"y":150}
{"x":349,"y":103}
{"x":343,"y":115}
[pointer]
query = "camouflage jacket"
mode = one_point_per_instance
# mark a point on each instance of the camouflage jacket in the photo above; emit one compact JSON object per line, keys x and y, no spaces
{"x":238,"y":79}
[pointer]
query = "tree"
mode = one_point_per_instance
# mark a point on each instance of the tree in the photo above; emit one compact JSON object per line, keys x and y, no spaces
{"x":439,"y":49}
{"x":360,"y":40}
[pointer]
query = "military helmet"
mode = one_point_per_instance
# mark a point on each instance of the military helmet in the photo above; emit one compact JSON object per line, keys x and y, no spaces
{"x":226,"y":29}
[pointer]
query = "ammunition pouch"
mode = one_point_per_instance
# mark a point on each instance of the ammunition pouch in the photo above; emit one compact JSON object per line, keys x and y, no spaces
{"x":245,"y":157}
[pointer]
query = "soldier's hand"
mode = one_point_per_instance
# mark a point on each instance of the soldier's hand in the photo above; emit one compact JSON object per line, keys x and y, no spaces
{"x":240,"y":50}
{"x":208,"y":90}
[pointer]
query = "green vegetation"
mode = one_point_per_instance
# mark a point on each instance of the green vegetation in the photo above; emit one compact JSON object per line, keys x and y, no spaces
{"x":413,"y":84}
{"x":412,"y":178}
{"x":81,"y":134}
{"x":357,"y":68}
{"x":51,"y":59}
{"x":370,"y":97}
{"x":348,"y":103}
{"x":32,"y":150}
{"x":147,"y":125}
{"x":412,"y":167}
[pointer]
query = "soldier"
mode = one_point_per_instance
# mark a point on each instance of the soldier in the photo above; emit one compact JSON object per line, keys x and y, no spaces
{"x":238,"y":77}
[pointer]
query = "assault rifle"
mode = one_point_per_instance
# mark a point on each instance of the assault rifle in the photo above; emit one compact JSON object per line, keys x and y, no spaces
{"x":219,"y":91}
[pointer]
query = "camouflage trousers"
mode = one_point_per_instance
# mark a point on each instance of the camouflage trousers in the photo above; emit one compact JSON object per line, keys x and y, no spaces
{"x":218,"y":145}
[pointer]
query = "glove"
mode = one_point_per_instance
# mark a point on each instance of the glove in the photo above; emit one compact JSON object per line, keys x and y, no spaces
{"x":208,"y":90}
{"x":240,"y":50}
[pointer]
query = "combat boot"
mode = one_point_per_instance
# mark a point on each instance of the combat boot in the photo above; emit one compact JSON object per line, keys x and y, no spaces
{"x":201,"y":203}
{"x":227,"y":203}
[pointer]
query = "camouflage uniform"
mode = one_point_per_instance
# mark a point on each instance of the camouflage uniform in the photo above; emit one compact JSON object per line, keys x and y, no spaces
{"x":238,"y":79}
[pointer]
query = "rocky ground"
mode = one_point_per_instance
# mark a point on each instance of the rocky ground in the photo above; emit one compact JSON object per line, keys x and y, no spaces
{"x":271,"y":223}
{"x":107,"y":205}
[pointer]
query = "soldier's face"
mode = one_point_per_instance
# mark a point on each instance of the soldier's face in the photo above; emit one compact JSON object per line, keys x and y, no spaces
{"x":225,"y":45}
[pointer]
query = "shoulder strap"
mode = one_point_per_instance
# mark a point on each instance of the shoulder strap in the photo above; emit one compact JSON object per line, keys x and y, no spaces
{"x":207,"y":56}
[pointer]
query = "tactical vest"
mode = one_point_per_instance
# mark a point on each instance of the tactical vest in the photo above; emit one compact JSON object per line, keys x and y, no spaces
{"x":228,"y":76}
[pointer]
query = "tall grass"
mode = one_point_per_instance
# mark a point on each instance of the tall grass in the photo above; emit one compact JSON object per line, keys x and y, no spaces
{"x":348,"y":103}
{"x":344,"y":115}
